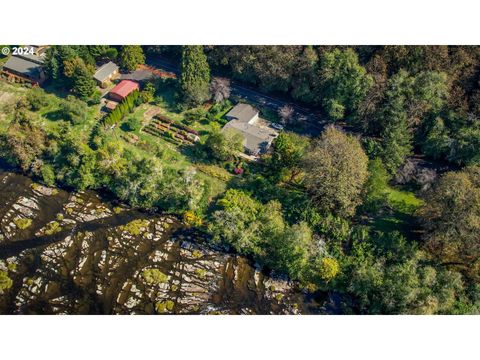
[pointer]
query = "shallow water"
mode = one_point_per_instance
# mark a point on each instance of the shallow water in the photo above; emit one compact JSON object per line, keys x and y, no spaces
{"x":81,"y":255}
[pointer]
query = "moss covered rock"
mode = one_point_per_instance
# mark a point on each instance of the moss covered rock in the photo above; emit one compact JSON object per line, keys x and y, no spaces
{"x":154,"y":276}
{"x":136,"y":227}
{"x":23,"y":223}
{"x":5,"y":282}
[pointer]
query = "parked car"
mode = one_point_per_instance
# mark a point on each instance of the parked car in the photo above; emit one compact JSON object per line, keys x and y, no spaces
{"x":277,"y":126}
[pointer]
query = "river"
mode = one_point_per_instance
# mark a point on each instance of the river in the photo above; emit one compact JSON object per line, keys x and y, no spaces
{"x":83,"y":254}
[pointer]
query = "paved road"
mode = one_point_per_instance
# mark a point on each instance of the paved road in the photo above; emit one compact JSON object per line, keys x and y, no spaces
{"x":314,"y":123}
{"x":315,"y":126}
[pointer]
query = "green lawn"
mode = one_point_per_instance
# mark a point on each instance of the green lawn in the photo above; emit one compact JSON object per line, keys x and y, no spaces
{"x":171,"y":155}
{"x":403,"y":205}
{"x":403,"y":201}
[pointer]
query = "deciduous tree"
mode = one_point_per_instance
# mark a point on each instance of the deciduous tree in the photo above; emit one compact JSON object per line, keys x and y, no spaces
{"x":335,"y":172}
{"x":451,"y":217}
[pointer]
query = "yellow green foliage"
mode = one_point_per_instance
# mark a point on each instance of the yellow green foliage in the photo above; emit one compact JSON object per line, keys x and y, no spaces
{"x":191,"y":219}
{"x":23,"y":223}
{"x":5,"y":282}
{"x":52,"y":228}
{"x":197,"y":254}
{"x":200,"y":273}
{"x":160,"y":307}
{"x":154,"y":276}
{"x":329,"y":268}
{"x":163,"y":306}
{"x":117,"y":210}
{"x":214,"y":171}
{"x":35,"y":186}
{"x":135,"y":227}
{"x":170,"y":304}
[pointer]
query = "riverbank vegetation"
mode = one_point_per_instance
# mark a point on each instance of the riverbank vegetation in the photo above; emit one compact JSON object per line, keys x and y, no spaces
{"x":363,"y":210}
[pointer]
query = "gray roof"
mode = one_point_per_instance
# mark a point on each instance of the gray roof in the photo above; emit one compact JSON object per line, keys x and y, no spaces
{"x":258,"y":137}
{"x":105,"y":71}
{"x":242,"y":112}
{"x":23,"y":66}
{"x":38,"y":59}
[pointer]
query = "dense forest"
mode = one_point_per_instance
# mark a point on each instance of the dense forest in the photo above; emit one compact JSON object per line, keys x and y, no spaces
{"x":381,"y":209}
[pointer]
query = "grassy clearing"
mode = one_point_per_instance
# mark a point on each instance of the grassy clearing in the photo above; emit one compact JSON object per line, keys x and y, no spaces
{"x":11,"y":93}
{"x":170,"y":154}
{"x":403,"y":201}
{"x":400,"y":217}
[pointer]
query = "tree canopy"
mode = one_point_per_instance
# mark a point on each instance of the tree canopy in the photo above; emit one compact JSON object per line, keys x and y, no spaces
{"x":131,"y":56}
{"x":335,"y":172}
{"x":195,"y":75}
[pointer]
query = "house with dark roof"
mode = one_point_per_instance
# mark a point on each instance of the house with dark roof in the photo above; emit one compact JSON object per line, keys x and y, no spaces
{"x":106,"y":73}
{"x":122,"y":89}
{"x":257,"y":132}
{"x":26,"y":67}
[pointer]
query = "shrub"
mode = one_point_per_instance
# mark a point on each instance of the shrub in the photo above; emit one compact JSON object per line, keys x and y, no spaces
{"x":197,"y":254}
{"x":148,"y":93}
{"x":135,"y":227}
{"x":73,"y":110}
{"x":191,"y":219}
{"x":22,"y":223}
{"x":5,"y":282}
{"x":154,"y":276}
{"x":161,"y":307}
{"x":201,"y":273}
{"x":48,"y":175}
{"x":170,"y":304}
{"x":117,"y":210}
{"x":37,"y":99}
{"x":214,"y":171}
{"x":96,"y":98}
{"x":52,"y":228}
{"x":194,"y":115}
{"x":132,"y":124}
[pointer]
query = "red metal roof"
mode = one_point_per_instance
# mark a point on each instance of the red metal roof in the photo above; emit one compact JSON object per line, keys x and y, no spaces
{"x":124,"y":88}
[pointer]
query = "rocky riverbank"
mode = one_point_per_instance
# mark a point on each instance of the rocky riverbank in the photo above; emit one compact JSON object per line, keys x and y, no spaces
{"x":75,"y":253}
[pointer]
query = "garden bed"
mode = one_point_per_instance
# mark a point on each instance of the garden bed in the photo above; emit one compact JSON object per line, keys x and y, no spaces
{"x":163,"y":127}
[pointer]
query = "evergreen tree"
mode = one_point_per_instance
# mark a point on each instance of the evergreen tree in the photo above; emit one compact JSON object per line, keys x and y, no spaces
{"x":83,"y":83}
{"x":195,"y":77}
{"x":344,"y":82}
{"x":131,"y":56}
{"x":397,"y":139}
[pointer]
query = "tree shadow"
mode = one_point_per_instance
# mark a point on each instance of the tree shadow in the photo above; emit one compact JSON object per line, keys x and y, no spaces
{"x":54,"y":115}
{"x":15,"y":247}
